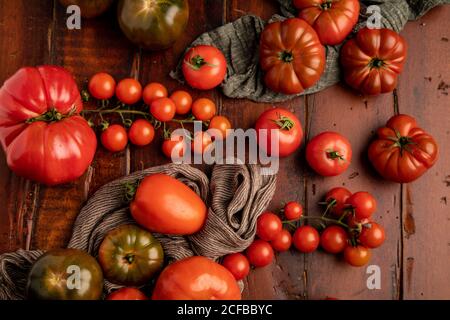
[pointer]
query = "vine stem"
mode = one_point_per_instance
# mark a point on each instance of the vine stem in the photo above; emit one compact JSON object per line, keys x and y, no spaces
{"x":142,"y":113}
{"x":321,"y":218}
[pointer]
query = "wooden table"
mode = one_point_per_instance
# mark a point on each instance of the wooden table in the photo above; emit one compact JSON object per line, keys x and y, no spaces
{"x":414,"y":261}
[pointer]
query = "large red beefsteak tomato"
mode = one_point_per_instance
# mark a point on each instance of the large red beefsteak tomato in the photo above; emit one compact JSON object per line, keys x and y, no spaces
{"x":196,"y":278}
{"x":44,"y":137}
{"x":333,"y":20}
{"x":403,"y":151}
{"x":291,"y":56}
{"x":373,"y":60}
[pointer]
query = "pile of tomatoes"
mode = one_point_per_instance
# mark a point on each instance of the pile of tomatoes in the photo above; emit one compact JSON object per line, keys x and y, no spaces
{"x":345,"y":228}
{"x":157,"y":108}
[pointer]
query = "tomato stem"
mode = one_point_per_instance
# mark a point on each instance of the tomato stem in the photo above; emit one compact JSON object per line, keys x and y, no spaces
{"x":376,"y":63}
{"x":335,"y":155}
{"x":286,"y":56}
{"x":52,"y":115}
{"x":326,"y":5}
{"x":284,"y":123}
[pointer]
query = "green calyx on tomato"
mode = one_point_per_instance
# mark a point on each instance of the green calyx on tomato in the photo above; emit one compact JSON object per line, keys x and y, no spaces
{"x":51,"y":116}
{"x":286,"y":56}
{"x":376,"y":63}
{"x":326,"y":5}
{"x":284,"y":123}
{"x":197,"y":62}
{"x":335,"y":155}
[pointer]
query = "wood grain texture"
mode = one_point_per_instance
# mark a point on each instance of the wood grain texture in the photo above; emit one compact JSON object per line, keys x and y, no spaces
{"x":415,"y":259}
{"x":426,"y":201}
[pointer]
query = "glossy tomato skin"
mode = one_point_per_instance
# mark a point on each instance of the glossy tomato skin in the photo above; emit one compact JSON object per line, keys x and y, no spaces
{"x":196,"y":278}
{"x":70,"y":144}
{"x":293,"y":210}
{"x":129,"y":91}
{"x":373,"y":60}
{"x":403,"y":151}
{"x":332,"y":20}
{"x":127,"y":294}
{"x":268,"y":226}
{"x":237,"y":264}
{"x":182,"y":100}
{"x":204,"y":109}
{"x":165,"y":205}
{"x":114,"y":138}
{"x":102,"y":86}
{"x":260,"y":253}
{"x":291,"y":56}
{"x":153,"y":91}
{"x":89,"y":8}
{"x":204,"y":67}
{"x":163,"y":109}
{"x":202,"y":142}
{"x":334,"y":239}
{"x":174,"y":148}
{"x":363,"y":205}
{"x":372,"y":235}
{"x":153,"y":24}
{"x":141,"y":133}
{"x":130,"y":256}
{"x":222,"y":124}
{"x":289,"y":138}
{"x":329,"y":154}
{"x":340,"y":196}
{"x":357,"y":256}
{"x":49,"y":276}
{"x":282,"y":241}
{"x":306,"y":239}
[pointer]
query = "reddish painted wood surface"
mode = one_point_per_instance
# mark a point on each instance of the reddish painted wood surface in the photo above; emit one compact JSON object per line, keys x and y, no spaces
{"x":415,"y":259}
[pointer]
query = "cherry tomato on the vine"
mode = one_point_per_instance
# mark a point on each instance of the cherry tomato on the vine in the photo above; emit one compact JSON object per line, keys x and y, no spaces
{"x":129,"y":91}
{"x":163,"y":109}
{"x":357,"y":256}
{"x":306,"y":239}
{"x":174,"y":148}
{"x":141,"y":132}
{"x":237,"y":264}
{"x":334,"y":239}
{"x":114,"y":138}
{"x":340,"y":195}
{"x":182,"y":100}
{"x":268,"y":226}
{"x":203,"y":109}
{"x":102,"y":86}
{"x":353,"y":222}
{"x":282,"y":241}
{"x":153,"y":91}
{"x":372,"y":235}
{"x":222,"y":124}
{"x":363,"y":204}
{"x":260,"y":253}
{"x":201,"y":142}
{"x":293,"y":210}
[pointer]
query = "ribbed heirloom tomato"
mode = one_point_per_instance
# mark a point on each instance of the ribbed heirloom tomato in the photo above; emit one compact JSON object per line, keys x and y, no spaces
{"x":44,"y":137}
{"x":196,"y":278}
{"x":333,"y":20}
{"x":165,"y":205}
{"x":291,"y":56}
{"x":402,"y":151}
{"x":373,"y":60}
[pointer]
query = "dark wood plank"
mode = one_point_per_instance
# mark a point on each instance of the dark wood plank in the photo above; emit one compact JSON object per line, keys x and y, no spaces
{"x":98,"y":46}
{"x":24,"y":41}
{"x":425,"y":202}
{"x":356,"y":117}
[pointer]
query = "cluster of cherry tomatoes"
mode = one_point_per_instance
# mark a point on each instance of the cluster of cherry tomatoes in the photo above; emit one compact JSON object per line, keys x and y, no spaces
{"x":346,"y":227}
{"x":158,"y":108}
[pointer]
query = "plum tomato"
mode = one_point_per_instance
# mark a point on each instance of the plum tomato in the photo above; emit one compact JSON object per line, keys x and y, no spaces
{"x":237,"y":264}
{"x":268,"y":226}
{"x":260,"y":253}
{"x":306,"y":239}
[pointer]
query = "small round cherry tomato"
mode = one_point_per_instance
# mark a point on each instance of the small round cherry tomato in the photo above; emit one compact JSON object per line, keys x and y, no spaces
{"x":141,"y":133}
{"x":182,"y":100}
{"x":204,"y":67}
{"x":352,"y":222}
{"x":163,"y":109}
{"x":372,"y":235}
{"x":260,"y":253}
{"x":222,"y":124}
{"x":293,"y":210}
{"x":203,"y":109}
{"x":268,"y":226}
{"x":339,"y":196}
{"x":102,"y":86}
{"x":129,"y":91}
{"x":282,"y":241}
{"x":357,"y":256}
{"x":154,"y":91}
{"x":127,"y":294}
{"x":334,"y":239}
{"x":363,"y":205}
{"x":237,"y":264}
{"x":329,"y":154}
{"x":114,"y":138}
{"x":174,"y":148}
{"x":306,"y":239}
{"x":201,"y":142}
